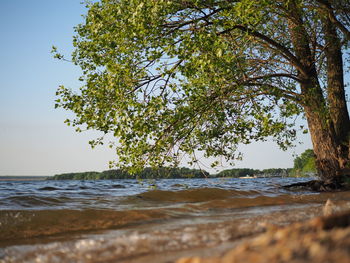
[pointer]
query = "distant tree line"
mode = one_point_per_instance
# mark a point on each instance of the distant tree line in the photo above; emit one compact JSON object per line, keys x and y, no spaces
{"x":304,"y":165}
{"x":147,"y":173}
{"x":243,"y":172}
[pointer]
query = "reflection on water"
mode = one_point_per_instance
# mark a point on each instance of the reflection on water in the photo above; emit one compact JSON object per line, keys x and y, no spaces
{"x":98,"y":221}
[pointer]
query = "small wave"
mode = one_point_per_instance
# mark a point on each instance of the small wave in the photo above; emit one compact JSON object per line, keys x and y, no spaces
{"x":177,"y":185}
{"x":193,"y":195}
{"x":48,"y":188}
{"x":17,"y":224}
{"x":118,"y":186}
{"x":30,"y":201}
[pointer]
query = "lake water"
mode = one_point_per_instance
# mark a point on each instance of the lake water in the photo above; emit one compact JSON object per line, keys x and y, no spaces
{"x":144,"y":221}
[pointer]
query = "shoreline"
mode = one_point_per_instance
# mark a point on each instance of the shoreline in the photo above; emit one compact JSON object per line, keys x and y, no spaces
{"x":23,"y":178}
{"x":190,"y":243}
{"x":321,"y":239}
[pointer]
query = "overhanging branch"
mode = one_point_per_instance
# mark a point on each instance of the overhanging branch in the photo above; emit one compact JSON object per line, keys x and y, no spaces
{"x":277,"y":46}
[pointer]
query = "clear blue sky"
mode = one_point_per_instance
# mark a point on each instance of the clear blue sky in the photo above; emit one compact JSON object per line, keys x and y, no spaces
{"x":33,"y":138}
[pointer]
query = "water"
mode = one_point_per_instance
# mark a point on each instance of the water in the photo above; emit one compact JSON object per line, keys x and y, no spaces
{"x":147,"y":221}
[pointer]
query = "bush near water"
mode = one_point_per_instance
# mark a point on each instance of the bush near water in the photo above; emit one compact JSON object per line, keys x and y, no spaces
{"x":304,"y":164}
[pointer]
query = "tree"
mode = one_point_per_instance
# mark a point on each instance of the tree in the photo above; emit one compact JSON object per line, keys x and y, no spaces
{"x":173,"y":77}
{"x":305,"y":163}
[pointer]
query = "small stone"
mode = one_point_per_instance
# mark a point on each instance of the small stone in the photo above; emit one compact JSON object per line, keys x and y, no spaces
{"x":329,"y":208}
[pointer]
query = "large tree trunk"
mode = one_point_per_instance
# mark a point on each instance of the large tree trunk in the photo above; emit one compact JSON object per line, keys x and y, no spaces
{"x":323,"y":136}
{"x":336,"y":91}
{"x":325,"y":145}
{"x":328,"y":120}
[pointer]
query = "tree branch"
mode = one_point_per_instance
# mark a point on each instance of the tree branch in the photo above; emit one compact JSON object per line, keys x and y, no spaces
{"x":283,"y":50}
{"x":276,"y":75}
{"x":333,"y":18}
{"x":179,"y":24}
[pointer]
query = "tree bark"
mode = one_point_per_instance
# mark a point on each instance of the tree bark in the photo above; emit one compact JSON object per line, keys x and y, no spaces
{"x":324,"y":144}
{"x":328,"y":120}
{"x":336,"y":91}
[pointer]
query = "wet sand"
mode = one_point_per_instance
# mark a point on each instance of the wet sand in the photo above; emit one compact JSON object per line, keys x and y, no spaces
{"x":321,"y":239}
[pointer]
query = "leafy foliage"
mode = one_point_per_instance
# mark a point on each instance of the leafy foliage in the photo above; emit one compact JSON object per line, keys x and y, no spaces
{"x":173,"y":77}
{"x":305,"y":163}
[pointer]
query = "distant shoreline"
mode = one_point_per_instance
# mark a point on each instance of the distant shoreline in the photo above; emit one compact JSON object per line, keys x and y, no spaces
{"x":23,"y":178}
{"x":174,"y":173}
